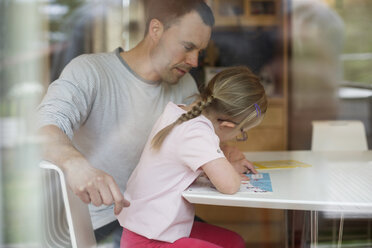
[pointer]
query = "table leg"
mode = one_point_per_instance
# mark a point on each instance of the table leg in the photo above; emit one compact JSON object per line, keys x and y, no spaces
{"x":340,"y":231}
{"x":313,"y":229}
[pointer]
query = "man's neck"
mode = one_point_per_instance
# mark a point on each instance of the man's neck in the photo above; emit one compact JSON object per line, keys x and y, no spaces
{"x":138,"y":59}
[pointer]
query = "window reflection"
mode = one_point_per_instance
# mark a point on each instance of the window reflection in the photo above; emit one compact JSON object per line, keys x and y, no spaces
{"x":315,"y":66}
{"x":316,"y":73}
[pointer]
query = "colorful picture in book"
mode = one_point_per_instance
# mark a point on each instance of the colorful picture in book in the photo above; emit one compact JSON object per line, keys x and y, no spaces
{"x":258,"y":183}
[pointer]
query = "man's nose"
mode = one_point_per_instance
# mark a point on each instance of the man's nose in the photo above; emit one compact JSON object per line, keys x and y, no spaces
{"x":192,"y":59}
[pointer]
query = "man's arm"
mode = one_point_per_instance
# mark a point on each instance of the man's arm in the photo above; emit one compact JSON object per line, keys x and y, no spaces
{"x":90,"y":184}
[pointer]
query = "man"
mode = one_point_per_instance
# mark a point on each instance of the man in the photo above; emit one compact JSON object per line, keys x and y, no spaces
{"x":98,"y":114}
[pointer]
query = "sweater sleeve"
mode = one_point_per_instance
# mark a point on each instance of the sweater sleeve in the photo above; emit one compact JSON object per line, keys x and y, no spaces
{"x":69,"y":99}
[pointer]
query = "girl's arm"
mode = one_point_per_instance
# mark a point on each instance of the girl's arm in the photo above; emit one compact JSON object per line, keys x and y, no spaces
{"x":238,"y":160}
{"x":222,"y":175}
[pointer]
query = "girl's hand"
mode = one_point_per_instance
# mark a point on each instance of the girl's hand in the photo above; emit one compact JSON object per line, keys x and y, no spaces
{"x":238,"y":160}
{"x":243,"y":166}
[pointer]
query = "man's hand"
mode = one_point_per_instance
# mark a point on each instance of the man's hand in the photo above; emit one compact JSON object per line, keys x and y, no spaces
{"x":238,"y":160}
{"x":90,"y":184}
{"x":93,"y":185}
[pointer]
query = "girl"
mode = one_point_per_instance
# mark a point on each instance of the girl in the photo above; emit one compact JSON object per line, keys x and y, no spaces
{"x":184,"y":142}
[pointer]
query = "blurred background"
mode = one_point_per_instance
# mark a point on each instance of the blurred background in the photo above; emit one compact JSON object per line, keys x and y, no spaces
{"x":314,"y":58}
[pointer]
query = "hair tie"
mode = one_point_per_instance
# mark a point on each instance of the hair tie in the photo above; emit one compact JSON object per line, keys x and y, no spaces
{"x":210,"y":98}
{"x":258,"y":110}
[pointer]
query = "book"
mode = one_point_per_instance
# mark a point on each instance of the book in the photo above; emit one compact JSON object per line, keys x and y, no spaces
{"x":258,"y":183}
{"x":279,"y":164}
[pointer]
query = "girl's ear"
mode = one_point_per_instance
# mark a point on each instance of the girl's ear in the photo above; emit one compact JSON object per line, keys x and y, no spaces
{"x":155,"y":29}
{"x":227,"y":124}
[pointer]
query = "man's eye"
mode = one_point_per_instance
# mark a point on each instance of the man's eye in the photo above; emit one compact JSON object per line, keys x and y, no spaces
{"x":188,"y":48}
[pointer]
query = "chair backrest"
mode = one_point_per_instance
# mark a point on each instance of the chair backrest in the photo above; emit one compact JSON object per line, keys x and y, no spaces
{"x":77,"y":213}
{"x":338,"y":136}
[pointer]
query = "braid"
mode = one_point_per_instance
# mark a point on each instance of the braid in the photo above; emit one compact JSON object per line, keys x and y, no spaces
{"x":159,"y":138}
{"x":196,"y":110}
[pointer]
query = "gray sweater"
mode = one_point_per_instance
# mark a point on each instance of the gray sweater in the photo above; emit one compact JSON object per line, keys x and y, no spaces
{"x":108,"y":111}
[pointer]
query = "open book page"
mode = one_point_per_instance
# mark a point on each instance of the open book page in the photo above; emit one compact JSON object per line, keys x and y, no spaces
{"x":258,"y":183}
{"x":279,"y":164}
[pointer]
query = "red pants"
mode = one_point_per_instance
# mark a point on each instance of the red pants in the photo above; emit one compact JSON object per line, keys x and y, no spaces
{"x":202,"y":235}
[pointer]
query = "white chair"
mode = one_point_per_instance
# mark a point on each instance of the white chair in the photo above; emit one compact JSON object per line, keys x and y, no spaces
{"x":62,"y":204}
{"x":338,"y":136}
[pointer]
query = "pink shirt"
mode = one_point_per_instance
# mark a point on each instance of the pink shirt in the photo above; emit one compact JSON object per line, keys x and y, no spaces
{"x":158,"y":210}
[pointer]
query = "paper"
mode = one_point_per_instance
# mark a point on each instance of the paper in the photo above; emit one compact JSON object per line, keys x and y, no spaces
{"x":279,"y":164}
{"x":259,"y":183}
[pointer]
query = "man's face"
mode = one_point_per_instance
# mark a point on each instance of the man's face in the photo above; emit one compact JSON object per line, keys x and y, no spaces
{"x":178,"y":48}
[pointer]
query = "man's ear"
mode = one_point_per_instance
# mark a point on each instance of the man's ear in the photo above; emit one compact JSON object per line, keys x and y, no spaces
{"x":227,"y":124}
{"x":156,"y":29}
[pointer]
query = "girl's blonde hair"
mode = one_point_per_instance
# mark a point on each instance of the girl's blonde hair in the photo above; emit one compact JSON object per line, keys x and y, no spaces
{"x":234,"y":92}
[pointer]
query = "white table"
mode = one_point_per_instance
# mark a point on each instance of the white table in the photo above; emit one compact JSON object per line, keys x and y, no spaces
{"x":336,"y":181}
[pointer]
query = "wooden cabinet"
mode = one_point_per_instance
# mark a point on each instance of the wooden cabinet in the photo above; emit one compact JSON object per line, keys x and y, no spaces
{"x":258,"y":227}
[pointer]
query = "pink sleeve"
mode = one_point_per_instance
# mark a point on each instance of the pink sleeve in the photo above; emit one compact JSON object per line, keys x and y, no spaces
{"x":198,"y":145}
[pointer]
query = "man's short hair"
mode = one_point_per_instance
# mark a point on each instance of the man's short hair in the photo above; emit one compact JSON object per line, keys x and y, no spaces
{"x":168,"y":11}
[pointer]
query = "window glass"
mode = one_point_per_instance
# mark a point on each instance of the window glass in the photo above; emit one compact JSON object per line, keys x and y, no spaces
{"x":314,"y":58}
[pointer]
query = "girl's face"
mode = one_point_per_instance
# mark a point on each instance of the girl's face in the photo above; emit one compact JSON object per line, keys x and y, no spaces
{"x":230,"y":135}
{"x":228,"y":130}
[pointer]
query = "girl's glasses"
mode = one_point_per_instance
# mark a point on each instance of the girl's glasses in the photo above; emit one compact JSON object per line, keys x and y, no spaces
{"x":243,"y":134}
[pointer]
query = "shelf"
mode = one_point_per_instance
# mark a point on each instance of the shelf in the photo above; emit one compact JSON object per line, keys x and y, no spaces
{"x":254,"y":37}
{"x":246,"y":12}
